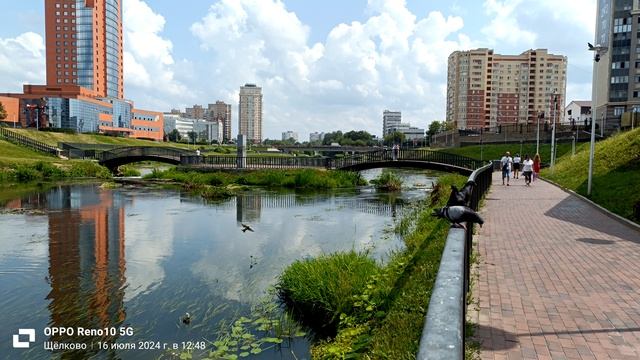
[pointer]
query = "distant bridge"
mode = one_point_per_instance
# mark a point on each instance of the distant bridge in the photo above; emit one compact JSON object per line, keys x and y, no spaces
{"x":114,"y":158}
{"x":424,"y":159}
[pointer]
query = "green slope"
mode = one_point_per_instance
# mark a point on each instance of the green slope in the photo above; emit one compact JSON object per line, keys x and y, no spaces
{"x":616,"y":177}
{"x":495,"y":151}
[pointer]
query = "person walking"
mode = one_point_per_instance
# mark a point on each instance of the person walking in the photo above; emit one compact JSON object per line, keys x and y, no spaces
{"x":505,"y":163}
{"x":536,"y":166}
{"x":516,"y":166}
{"x":527,"y":169}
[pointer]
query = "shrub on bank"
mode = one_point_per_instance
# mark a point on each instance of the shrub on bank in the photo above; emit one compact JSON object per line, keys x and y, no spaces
{"x":318,"y":290}
{"x":45,"y":171}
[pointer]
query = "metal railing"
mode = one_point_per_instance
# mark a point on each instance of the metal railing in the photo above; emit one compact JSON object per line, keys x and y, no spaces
{"x":28,"y":142}
{"x":406,"y":155}
{"x":253,"y":162}
{"x":443,"y":333}
{"x":137,"y":151}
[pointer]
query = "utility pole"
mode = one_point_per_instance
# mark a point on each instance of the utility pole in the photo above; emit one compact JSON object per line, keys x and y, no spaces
{"x":553,"y":129}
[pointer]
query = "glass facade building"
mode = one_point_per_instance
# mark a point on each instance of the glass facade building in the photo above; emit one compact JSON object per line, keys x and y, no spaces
{"x":84,"y":116}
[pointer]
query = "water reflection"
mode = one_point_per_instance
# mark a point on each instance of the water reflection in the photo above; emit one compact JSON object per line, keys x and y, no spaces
{"x":143,"y":257}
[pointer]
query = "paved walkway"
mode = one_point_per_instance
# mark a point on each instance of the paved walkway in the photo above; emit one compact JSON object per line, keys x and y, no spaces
{"x":559,"y":279}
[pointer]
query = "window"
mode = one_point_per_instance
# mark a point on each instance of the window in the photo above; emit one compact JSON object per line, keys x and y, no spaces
{"x":618,"y":110}
{"x":58,"y":6}
{"x":57,"y":13}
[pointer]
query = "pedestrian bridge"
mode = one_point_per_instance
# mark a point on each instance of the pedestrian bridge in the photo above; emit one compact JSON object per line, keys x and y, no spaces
{"x":423,"y":159}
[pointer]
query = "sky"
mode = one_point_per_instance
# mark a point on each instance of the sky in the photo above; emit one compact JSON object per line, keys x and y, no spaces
{"x":322,"y":65}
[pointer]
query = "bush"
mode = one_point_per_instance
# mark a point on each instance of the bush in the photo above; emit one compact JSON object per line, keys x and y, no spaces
{"x":25,"y":173}
{"x":387,"y":181}
{"x":317,"y":291}
{"x":49,"y":171}
{"x":89,"y":169}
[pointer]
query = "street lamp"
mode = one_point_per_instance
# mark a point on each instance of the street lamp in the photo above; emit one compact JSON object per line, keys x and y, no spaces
{"x":553,"y":130}
{"x":540,"y":116}
{"x":598,"y":51}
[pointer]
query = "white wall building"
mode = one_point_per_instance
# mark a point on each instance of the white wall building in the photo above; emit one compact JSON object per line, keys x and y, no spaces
{"x":577,"y":112}
{"x":290,"y":135}
{"x":175,"y":121}
{"x":316,"y":136}
{"x":390,"y":119}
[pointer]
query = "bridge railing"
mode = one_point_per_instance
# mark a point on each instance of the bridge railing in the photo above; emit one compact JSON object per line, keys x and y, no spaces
{"x":400,"y":155}
{"x":28,"y":142}
{"x":254,"y":162}
{"x":443,"y":333}
{"x":130,"y":151}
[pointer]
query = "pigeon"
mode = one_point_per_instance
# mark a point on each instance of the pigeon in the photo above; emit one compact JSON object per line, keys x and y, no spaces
{"x":458,"y":215}
{"x":461,"y":197}
{"x":186,"y":319}
{"x":246,"y":227}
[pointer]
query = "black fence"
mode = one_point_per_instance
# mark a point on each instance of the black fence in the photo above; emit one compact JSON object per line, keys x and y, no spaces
{"x":28,"y":142}
{"x":412,"y":155}
{"x":141,"y":151}
{"x":444,"y":329}
{"x":254,"y":162}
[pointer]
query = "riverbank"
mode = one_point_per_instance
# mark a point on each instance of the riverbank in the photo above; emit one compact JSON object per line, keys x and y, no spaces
{"x":374,"y":310}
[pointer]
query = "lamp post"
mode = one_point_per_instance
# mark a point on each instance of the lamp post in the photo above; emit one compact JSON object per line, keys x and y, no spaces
{"x":540,"y":115}
{"x":598,"y":51}
{"x":553,"y":129}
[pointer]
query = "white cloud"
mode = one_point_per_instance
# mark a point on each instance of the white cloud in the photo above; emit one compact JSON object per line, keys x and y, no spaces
{"x":22,"y":60}
{"x":504,"y":26}
{"x":393,"y":60}
{"x":149,"y":65}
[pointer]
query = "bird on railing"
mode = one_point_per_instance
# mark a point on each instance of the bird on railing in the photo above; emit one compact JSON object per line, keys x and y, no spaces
{"x":461,"y":197}
{"x":458,"y":214}
{"x":246,"y":227}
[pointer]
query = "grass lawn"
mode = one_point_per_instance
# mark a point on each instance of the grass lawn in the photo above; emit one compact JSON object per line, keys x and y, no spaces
{"x":495,"y":151}
{"x":616,"y":175}
{"x":53,"y":138}
{"x":11,"y":153}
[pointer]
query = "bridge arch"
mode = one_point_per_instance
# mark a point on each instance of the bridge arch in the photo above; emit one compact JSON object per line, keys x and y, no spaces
{"x":415,"y":164}
{"x":127,"y":155}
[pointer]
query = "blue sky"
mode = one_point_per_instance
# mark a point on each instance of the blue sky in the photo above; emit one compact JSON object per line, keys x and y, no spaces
{"x":323,"y":66}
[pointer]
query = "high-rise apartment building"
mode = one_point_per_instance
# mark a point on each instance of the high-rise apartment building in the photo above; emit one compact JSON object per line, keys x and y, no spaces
{"x":250,"y":112}
{"x":221,"y":112}
{"x":617,"y":78}
{"x":486,"y":89}
{"x":195,"y":112}
{"x":84,"y":45}
{"x":84,"y":65}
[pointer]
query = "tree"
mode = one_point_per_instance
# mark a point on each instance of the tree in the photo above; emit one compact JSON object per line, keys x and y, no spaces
{"x":174,"y":135}
{"x":3,"y":112}
{"x":395,"y":137}
{"x":193,"y":136}
{"x":435,"y":127}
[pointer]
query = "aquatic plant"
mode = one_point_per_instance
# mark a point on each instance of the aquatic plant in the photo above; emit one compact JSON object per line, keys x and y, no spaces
{"x":388,"y":181}
{"x":318,"y":290}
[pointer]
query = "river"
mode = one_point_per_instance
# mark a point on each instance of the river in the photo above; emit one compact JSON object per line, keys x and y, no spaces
{"x":135,"y":260}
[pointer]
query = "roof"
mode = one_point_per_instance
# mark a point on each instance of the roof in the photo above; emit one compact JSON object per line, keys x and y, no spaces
{"x":582,"y":103}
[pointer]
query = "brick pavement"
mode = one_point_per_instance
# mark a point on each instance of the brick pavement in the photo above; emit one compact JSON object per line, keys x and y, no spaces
{"x":558,"y":279}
